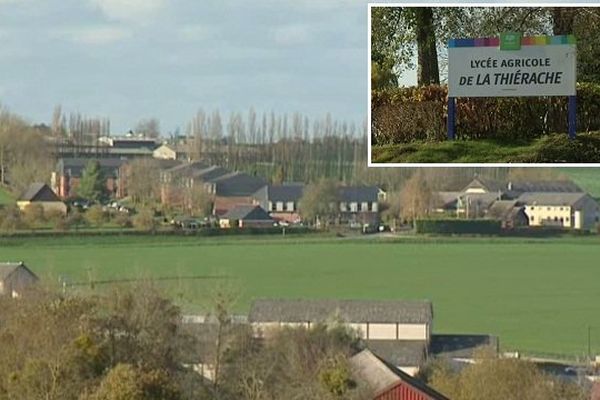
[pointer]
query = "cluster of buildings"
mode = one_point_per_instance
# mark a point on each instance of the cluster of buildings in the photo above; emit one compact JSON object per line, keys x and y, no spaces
{"x":240,"y":199}
{"x":396,"y":337}
{"x":559,"y":203}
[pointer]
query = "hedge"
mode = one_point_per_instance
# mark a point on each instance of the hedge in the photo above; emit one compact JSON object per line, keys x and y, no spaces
{"x":403,"y":115}
{"x":459,"y":226}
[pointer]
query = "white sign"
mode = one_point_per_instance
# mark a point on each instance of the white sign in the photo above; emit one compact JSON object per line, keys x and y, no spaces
{"x":538,"y":70}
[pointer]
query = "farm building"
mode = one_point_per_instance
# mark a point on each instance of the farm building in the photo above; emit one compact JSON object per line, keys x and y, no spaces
{"x":170,"y":152}
{"x":398,"y":330}
{"x":281,"y":201}
{"x":233,"y":189}
{"x":360,"y":203}
{"x":14,"y":278}
{"x":386,"y":382}
{"x":41,"y":194}
{"x":246,"y":216}
{"x":566,"y":210}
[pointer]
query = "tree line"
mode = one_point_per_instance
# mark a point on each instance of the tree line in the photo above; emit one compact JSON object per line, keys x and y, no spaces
{"x":399,"y":35}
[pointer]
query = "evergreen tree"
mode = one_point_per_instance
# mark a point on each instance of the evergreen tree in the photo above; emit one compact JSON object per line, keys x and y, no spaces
{"x":91,"y":184}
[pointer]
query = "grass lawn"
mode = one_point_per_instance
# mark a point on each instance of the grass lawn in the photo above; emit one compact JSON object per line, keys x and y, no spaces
{"x":587,"y":178}
{"x":537,"y":295}
{"x":5,"y":197}
{"x":555,"y":148}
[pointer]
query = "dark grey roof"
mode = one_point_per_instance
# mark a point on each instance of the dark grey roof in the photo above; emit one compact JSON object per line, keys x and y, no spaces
{"x":461,"y":346}
{"x":247,"y":213}
{"x":544,"y":186}
{"x":353,"y":311}
{"x":359,"y":194}
{"x":237,"y":184}
{"x":39,"y":192}
{"x":551,"y":199}
{"x":400,"y":352}
{"x":380,"y":375}
{"x":8,"y":268}
{"x":286,"y":192}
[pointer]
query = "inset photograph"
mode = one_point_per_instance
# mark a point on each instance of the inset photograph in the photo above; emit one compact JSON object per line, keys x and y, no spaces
{"x":484,"y":85}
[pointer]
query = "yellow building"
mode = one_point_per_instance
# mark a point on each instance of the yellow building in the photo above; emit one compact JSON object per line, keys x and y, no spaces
{"x":567,"y":210}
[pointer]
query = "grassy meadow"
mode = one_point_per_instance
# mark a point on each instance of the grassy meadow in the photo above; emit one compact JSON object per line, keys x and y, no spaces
{"x":537,"y":295}
{"x":555,"y":148}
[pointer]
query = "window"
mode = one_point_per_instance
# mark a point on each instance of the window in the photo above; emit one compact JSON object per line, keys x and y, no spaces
{"x":364,"y":206}
{"x":532,"y":218}
{"x":279,"y":205}
{"x":270,"y":206}
{"x":353,"y":207}
{"x":290,"y":206}
{"x":343,"y":207}
{"x":374,"y":207}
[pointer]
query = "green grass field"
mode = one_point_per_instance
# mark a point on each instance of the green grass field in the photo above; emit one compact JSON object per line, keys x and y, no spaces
{"x":537,"y":295}
{"x":5,"y":197}
{"x":587,"y":178}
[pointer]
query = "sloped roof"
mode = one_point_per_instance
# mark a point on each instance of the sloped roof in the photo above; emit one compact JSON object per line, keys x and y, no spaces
{"x":447,"y":200}
{"x":545,"y":186}
{"x":247,"y":213}
{"x":501,"y":209}
{"x":237,"y":184}
{"x":381,"y":376}
{"x":359,"y":194}
{"x":187,"y":168}
{"x":489,"y":185}
{"x":285,"y":192}
{"x":353,"y":311}
{"x":8,"y":268}
{"x":39,"y":192}
{"x":551,"y":199}
{"x":209,"y":174}
{"x":461,"y":346}
{"x":399,"y":352}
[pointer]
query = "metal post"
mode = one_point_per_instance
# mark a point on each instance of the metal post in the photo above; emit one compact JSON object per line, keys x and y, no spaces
{"x":572,"y":116}
{"x":451,"y":118}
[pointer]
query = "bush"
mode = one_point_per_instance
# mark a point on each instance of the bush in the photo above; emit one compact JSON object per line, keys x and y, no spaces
{"x":122,"y":220}
{"x":95,"y":215}
{"x":144,"y":220}
{"x":402,"y":115}
{"x":459,"y":226}
{"x":33,"y":215}
{"x":10,"y":219}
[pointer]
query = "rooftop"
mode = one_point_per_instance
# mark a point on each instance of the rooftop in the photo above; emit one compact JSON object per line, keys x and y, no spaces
{"x":354,"y":311}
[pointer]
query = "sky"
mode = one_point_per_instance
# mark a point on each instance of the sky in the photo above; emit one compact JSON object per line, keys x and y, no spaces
{"x":133,"y":59}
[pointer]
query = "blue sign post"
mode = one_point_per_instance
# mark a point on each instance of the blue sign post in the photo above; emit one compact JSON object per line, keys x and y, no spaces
{"x":572,"y":116}
{"x":451,"y":118}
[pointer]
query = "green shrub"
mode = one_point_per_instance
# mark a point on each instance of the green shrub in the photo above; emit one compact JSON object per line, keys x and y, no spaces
{"x":402,"y":115}
{"x":96,"y":216}
{"x":144,"y":220}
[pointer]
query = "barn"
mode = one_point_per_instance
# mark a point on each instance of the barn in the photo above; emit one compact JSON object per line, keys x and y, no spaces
{"x":383,"y":381}
{"x":15,"y":278}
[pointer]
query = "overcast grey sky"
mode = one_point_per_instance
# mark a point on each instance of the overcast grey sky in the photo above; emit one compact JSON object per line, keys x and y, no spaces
{"x":133,"y":59}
